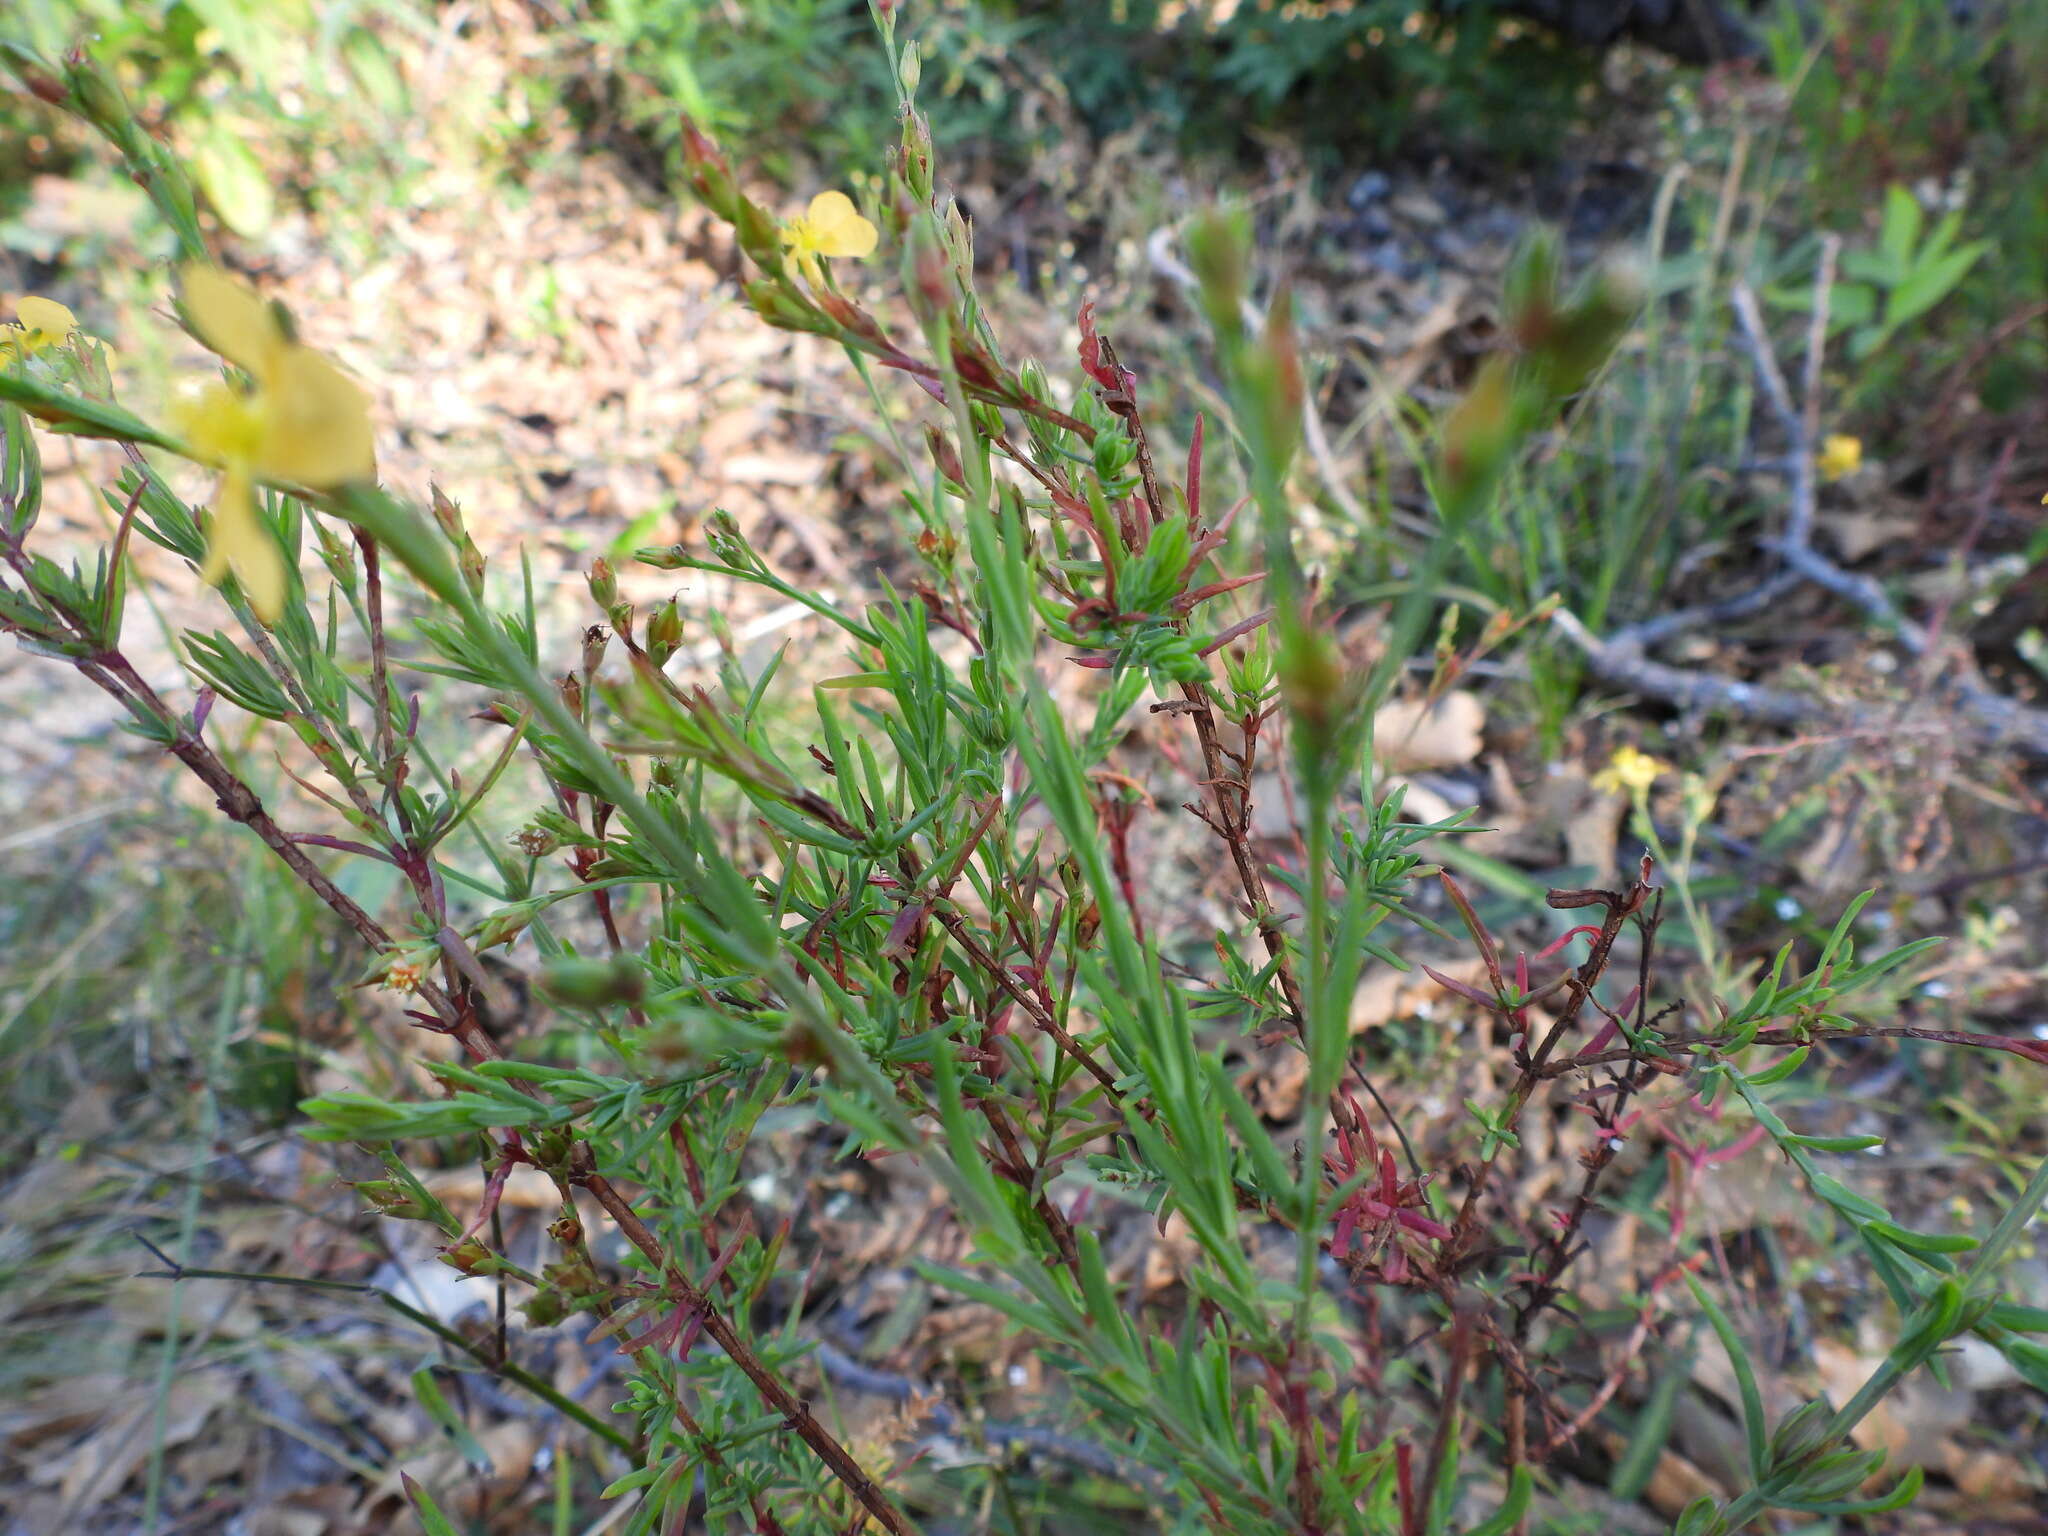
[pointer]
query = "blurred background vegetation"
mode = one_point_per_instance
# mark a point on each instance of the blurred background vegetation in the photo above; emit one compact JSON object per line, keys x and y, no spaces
{"x":1392,"y":152}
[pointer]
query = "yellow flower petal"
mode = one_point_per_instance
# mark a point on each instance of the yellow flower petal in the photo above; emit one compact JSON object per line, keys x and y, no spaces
{"x":217,"y":424}
{"x":1839,"y":455}
{"x":830,"y":226}
{"x":837,"y":228}
{"x":316,"y":422}
{"x":44,"y":322}
{"x":229,"y":318}
{"x":240,"y":543}
{"x":1630,"y":769}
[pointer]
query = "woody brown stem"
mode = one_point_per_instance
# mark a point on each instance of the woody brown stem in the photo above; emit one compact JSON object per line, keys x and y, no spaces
{"x":795,"y":1413}
{"x":1231,"y":794}
{"x":380,"y":684}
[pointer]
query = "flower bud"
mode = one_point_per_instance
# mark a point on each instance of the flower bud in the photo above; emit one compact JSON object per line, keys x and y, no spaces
{"x":665,"y":632}
{"x":550,"y":1148}
{"x":944,"y":456}
{"x":96,"y":98}
{"x":604,"y":586}
{"x":1529,"y":289}
{"x":672,"y":558}
{"x":590,"y":983}
{"x":446,"y":513}
{"x":779,"y":306}
{"x":722,"y":534}
{"x":33,"y":72}
{"x":959,"y":237}
{"x":471,"y":1257}
{"x":1834,"y":1475}
{"x":710,"y":175}
{"x":1799,"y":1435}
{"x":1113,"y":453}
{"x":504,"y":926}
{"x":759,"y":232}
{"x":536,"y":841}
{"x":1480,"y":431}
{"x":387,"y":1198}
{"x":544,"y":1309}
{"x":914,"y":159}
{"x":1031,"y":378}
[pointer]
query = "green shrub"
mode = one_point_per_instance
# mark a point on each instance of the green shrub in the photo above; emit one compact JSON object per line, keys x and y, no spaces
{"x":1344,"y":78}
{"x":209,"y":70}
{"x":888,"y":890}
{"x":1007,"y":74}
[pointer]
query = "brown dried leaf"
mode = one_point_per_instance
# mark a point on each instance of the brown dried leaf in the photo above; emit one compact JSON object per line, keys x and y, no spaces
{"x":1408,"y":737}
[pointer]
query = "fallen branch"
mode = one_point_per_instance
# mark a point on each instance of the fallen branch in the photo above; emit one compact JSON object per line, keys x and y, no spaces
{"x":1991,"y":718}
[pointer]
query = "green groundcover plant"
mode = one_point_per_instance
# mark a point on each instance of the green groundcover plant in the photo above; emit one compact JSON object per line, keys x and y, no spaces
{"x":923,"y":925}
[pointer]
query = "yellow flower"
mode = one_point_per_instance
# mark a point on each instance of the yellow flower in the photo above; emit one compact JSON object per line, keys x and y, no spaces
{"x":300,"y":420}
{"x":830,"y":227}
{"x":1839,"y":455}
{"x":44,"y":323}
{"x":1629,"y":769}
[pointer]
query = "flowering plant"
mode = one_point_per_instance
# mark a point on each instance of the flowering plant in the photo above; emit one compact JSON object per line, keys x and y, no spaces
{"x":928,"y":933}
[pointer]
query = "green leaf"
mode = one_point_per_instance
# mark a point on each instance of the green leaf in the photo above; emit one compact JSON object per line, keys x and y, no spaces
{"x":1929,"y":284}
{"x":1834,"y":1143}
{"x":1520,"y":1487}
{"x":2019,"y":1318}
{"x":1754,"y":1429}
{"x":78,"y":416}
{"x":1906,"y":1492}
{"x":1651,"y":1430}
{"x":432,"y":1521}
{"x":437,"y":1409}
{"x":1778,"y":1073}
{"x":639,"y":1477}
{"x":1921,"y":1242}
{"x":2029,"y":1359}
{"x":1891,"y":960}
{"x":1900,"y":232}
{"x":21,"y":471}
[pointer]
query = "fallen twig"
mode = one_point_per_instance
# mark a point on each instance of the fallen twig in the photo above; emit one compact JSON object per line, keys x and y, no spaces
{"x":1992,"y":718}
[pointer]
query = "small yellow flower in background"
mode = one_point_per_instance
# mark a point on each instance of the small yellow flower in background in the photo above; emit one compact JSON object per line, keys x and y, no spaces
{"x":1839,"y":455}
{"x":44,"y":323}
{"x":830,"y":227}
{"x":301,"y":420}
{"x":1630,"y":769}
